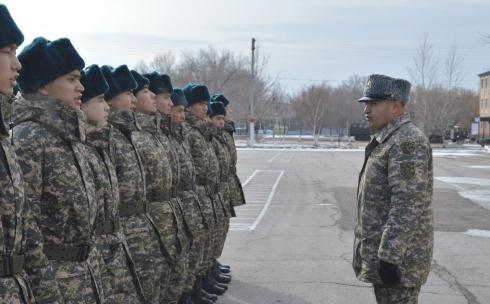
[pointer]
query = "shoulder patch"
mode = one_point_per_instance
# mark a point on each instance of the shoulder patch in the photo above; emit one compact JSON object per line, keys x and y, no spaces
{"x":407,"y":147}
{"x":407,"y":170}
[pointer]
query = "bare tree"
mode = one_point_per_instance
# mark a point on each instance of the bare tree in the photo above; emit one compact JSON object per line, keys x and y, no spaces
{"x":141,"y":67}
{"x":425,"y":65}
{"x":164,"y":63}
{"x":452,"y":68}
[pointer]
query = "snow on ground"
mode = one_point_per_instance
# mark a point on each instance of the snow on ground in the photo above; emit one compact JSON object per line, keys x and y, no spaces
{"x":481,"y":197}
{"x":464,"y":180}
{"x":478,"y":233}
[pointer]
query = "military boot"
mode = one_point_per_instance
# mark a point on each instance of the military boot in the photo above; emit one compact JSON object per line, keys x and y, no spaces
{"x":218,"y":269}
{"x":186,"y":298}
{"x":198,"y":296}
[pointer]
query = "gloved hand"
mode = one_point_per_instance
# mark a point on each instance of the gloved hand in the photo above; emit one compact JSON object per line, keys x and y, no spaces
{"x":389,"y":273}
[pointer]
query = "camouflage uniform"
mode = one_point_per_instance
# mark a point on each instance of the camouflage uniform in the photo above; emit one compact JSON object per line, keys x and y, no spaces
{"x":180,"y":271}
{"x":236,"y":191}
{"x":206,"y":165}
{"x":49,"y":139}
{"x":186,"y":193}
{"x":224,"y":159}
{"x":120,"y":277}
{"x":138,"y":226}
{"x":20,"y":239}
{"x":394,"y":219}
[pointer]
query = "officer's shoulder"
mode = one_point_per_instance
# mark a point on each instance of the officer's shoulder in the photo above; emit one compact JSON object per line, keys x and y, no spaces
{"x":409,"y":138}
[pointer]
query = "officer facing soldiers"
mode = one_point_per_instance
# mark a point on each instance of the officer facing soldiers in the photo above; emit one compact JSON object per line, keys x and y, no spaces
{"x":137,"y":225}
{"x":119,"y":277}
{"x":24,"y":267}
{"x":158,"y":172}
{"x":394,"y":235}
{"x":49,"y":136}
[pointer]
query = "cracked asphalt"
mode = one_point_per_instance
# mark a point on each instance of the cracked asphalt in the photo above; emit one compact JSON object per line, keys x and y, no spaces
{"x":300,"y":252}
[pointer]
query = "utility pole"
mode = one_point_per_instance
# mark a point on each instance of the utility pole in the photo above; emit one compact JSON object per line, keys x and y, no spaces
{"x":251,"y":128}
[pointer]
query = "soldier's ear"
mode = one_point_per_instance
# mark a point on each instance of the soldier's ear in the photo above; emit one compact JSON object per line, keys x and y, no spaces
{"x":43,"y":90}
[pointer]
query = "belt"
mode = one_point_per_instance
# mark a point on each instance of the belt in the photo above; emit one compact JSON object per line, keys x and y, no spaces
{"x":128,"y":210}
{"x":67,"y":253}
{"x":107,"y":226}
{"x":11,"y":264}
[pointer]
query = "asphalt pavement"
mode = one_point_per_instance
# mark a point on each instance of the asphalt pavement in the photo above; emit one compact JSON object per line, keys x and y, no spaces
{"x":292,"y":242}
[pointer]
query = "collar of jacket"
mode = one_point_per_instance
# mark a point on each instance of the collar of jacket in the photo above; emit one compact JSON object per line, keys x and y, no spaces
{"x":98,"y":137}
{"x":69,"y":124}
{"x":147,"y":122}
{"x":391,"y":127}
{"x":165,"y":123}
{"x":177,"y":131}
{"x":123,"y":120}
{"x":5,"y":101}
{"x":229,"y":126}
{"x":195,"y":122}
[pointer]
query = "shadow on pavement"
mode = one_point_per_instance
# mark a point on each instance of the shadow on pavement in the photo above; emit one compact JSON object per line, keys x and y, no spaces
{"x":240,"y":292}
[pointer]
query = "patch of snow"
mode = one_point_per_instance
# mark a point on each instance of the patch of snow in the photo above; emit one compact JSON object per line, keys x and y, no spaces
{"x":464,"y":180}
{"x":478,"y":233}
{"x":478,"y":167}
{"x":481,"y":197}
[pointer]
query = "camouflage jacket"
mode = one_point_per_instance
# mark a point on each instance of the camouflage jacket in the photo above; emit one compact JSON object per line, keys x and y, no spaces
{"x":394,"y":215}
{"x":49,"y":139}
{"x":165,"y":127}
{"x":199,"y":136}
{"x":129,"y":169}
{"x":107,"y":187}
{"x":19,"y":233}
{"x":224,"y":160}
{"x":186,"y":178}
{"x":236,"y":191}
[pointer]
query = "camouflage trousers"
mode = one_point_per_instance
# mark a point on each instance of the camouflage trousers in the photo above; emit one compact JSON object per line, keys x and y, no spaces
{"x":212,"y":233}
{"x":15,"y":290}
{"x":170,"y":223}
{"x":144,"y":247}
{"x":198,"y":230}
{"x":120,"y":281}
{"x":222,"y":222}
{"x":396,"y":295}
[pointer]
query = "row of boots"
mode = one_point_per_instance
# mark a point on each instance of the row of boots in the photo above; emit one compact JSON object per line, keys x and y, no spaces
{"x":208,"y":287}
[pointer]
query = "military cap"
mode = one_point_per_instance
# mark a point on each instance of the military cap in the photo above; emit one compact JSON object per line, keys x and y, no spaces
{"x":220,"y":98}
{"x":178,"y":98}
{"x":141,"y":81}
{"x":94,"y":82}
{"x":381,"y":87}
{"x":43,"y":61}
{"x":159,"y":83}
{"x":119,"y":79}
{"x":9,"y":32}
{"x":195,"y":93}
{"x":216,"y":108}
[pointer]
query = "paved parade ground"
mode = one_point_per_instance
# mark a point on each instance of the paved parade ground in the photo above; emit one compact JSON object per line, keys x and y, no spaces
{"x":292,"y":242}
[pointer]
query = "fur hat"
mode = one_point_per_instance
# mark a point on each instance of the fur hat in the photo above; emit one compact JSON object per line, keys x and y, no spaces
{"x":119,"y":79}
{"x":220,"y":98}
{"x":94,"y":82}
{"x":140,"y":80}
{"x":381,"y":87}
{"x":9,"y":32}
{"x":216,"y":108}
{"x":43,"y":61}
{"x":159,"y":83}
{"x":195,"y":93}
{"x":178,"y":98}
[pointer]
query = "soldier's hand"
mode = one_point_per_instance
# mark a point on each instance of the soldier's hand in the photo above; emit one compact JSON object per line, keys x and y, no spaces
{"x":389,"y":273}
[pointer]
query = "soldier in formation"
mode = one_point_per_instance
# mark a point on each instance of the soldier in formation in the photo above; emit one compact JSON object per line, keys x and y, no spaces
{"x":116,"y":187}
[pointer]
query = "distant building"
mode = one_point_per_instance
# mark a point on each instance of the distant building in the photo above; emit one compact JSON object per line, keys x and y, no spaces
{"x":485,"y":105}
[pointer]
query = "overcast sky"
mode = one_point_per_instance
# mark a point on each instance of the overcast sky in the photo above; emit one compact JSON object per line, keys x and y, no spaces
{"x":308,"y":41}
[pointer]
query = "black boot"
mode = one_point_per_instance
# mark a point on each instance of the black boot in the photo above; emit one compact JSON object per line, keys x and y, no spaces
{"x":210,"y":296}
{"x":219,"y":270}
{"x":185,"y":298}
{"x":221,"y":265}
{"x":209,"y":284}
{"x":197,"y":296}
{"x":223,"y":278}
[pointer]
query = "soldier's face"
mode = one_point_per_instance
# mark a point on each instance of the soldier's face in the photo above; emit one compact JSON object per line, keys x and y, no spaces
{"x":9,"y":69}
{"x":199,"y":109}
{"x":178,"y":115}
{"x":218,"y":121}
{"x":145,"y":101}
{"x":379,"y":113}
{"x":96,"y":110}
{"x":124,"y":101}
{"x":164,"y":103}
{"x":66,"y":88}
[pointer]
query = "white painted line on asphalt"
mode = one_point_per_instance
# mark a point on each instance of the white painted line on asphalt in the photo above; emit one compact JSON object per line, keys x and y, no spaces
{"x":478,"y":167}
{"x":464,"y":180}
{"x":250,"y":178}
{"x":478,"y":233}
{"x":269,"y":200}
{"x":290,"y":157}
{"x":274,"y":157}
{"x":325,"y":204}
